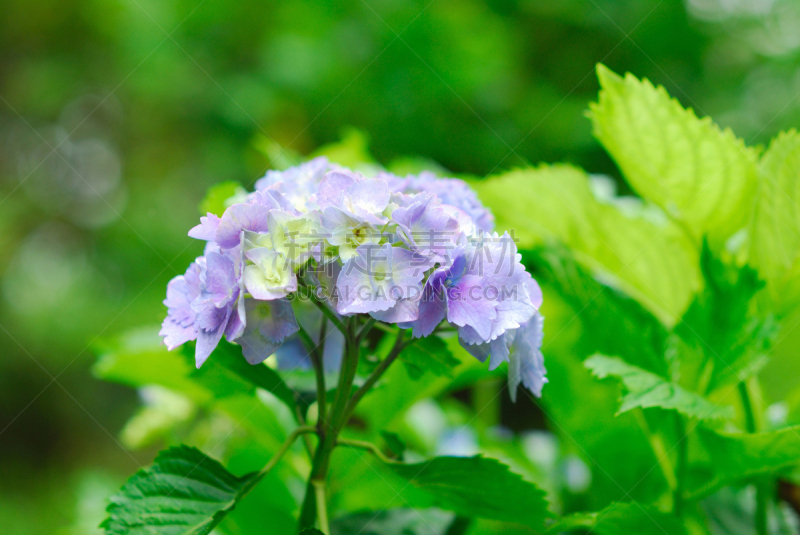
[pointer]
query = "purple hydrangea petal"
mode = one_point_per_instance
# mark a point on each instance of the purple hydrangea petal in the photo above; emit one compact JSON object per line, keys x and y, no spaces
{"x":368,"y":197}
{"x":269,"y":323}
{"x":208,"y":338}
{"x":333,"y":187}
{"x":427,"y":227}
{"x":179,"y":325}
{"x":432,"y":306}
{"x":403,"y":311}
{"x":526,"y":363}
{"x":374,"y":279}
{"x":207,"y":229}
{"x":239,"y":217}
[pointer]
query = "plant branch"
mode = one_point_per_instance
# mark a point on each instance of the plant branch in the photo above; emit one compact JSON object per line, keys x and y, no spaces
{"x":682,"y":464}
{"x":328,"y":433}
{"x":330,"y":314}
{"x":379,"y":371}
{"x":319,"y":371}
{"x":365,"y":330}
{"x":762,"y":487}
{"x":284,"y":448}
{"x":322,"y":508}
{"x":369,"y":446}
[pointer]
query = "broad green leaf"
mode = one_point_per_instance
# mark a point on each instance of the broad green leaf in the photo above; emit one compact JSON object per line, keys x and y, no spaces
{"x":221,"y":196}
{"x":732,"y":457}
{"x":184,"y":492}
{"x":775,"y":227}
{"x":476,"y":487}
{"x":646,"y":390}
{"x":700,"y":175}
{"x":429,"y":354}
{"x":631,"y":246}
{"x":621,"y":519}
{"x":393,"y":522}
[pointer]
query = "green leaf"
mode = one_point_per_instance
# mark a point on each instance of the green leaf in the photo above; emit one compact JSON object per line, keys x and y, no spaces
{"x":629,"y":245}
{"x":700,"y":175}
{"x":311,"y":531}
{"x":393,"y":522}
{"x":646,"y":390}
{"x":732,"y":457}
{"x":395,"y":443}
{"x":722,"y":325}
{"x":622,"y":519}
{"x":775,"y":227}
{"x":476,"y":487}
{"x":184,"y":492}
{"x":429,"y":354}
{"x":220,"y":196}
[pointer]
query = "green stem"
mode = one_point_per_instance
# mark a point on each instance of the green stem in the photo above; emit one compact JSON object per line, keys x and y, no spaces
{"x":329,"y":432}
{"x":659,"y":449}
{"x":284,"y":448}
{"x":682,"y":463}
{"x":302,"y":430}
{"x":762,"y":487}
{"x":322,"y":508}
{"x":369,"y":446}
{"x":318,"y":361}
{"x":330,"y":314}
{"x":398,"y":348}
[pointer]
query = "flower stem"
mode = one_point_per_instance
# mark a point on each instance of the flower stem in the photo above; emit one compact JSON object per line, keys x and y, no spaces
{"x":328,"y":433}
{"x":379,"y":371}
{"x":682,"y":464}
{"x":762,"y":487}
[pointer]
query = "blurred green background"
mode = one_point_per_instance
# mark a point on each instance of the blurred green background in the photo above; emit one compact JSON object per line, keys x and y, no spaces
{"x":117,"y":115}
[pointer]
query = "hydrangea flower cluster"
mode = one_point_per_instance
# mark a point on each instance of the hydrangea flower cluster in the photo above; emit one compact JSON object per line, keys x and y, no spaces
{"x":418,"y":252}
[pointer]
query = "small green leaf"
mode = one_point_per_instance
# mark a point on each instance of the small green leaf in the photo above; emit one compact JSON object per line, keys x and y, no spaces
{"x":429,"y":354}
{"x":220,"y":196}
{"x":476,"y":487}
{"x":732,"y":457}
{"x":699,"y":174}
{"x":621,"y":519}
{"x":645,"y":390}
{"x":184,"y":492}
{"x":395,"y":443}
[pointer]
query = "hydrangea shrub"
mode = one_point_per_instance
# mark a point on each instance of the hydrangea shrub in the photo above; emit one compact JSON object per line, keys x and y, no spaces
{"x":283,"y":338}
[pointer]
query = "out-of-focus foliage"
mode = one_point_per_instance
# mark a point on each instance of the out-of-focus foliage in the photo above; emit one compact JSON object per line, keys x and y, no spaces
{"x":116,"y":116}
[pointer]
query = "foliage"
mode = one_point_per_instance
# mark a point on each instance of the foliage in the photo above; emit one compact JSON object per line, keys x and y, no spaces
{"x":673,"y":298}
